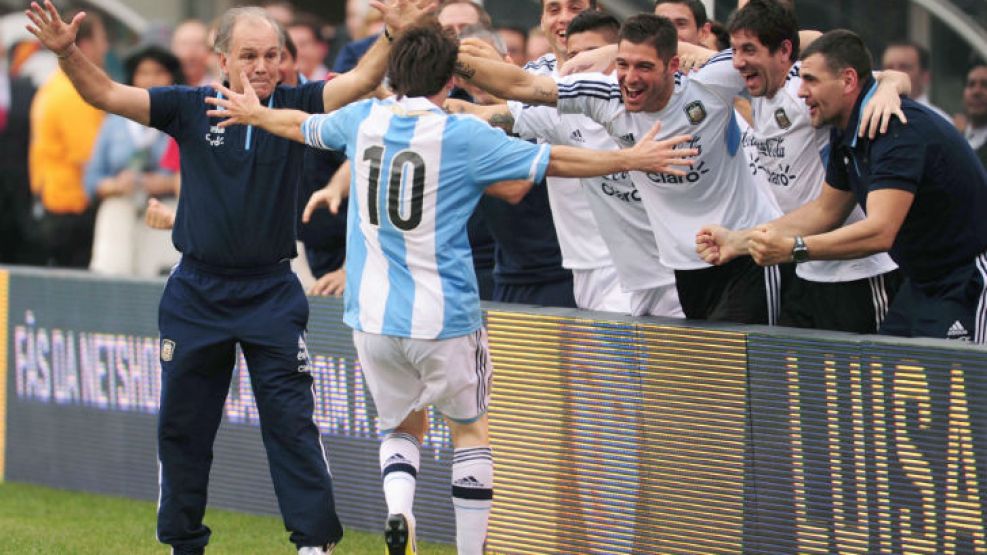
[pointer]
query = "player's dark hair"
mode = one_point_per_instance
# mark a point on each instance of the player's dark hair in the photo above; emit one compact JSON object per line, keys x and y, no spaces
{"x":289,"y":45}
{"x":770,"y":21}
{"x":157,"y":54}
{"x":721,"y":35}
{"x":593,"y":20}
{"x":697,"y":8}
{"x":653,"y":30}
{"x":842,"y":49}
{"x":422,"y":60}
{"x":921,"y":51}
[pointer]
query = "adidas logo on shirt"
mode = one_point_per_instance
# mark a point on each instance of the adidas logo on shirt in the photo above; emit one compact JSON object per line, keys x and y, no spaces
{"x":627,"y":139}
{"x":577,"y":136}
{"x":957,"y":331}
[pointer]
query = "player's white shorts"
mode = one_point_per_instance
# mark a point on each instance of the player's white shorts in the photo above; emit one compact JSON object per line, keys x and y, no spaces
{"x":405,"y":375}
{"x":599,"y":289}
{"x":657,"y":301}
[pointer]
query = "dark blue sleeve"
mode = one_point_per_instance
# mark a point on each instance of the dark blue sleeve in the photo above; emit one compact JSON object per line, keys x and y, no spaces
{"x":836,"y":166}
{"x":898,"y":158}
{"x":169,"y":107}
{"x":310,"y":97}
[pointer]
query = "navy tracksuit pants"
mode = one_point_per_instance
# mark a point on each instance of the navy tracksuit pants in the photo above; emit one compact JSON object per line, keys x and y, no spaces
{"x":204,"y":313}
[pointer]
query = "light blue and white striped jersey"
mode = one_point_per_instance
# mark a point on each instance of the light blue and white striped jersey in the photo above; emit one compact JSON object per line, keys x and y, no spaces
{"x":417,"y":175}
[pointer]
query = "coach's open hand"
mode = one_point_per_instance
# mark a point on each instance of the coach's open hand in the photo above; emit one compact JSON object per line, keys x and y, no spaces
{"x":51,"y":30}
{"x":236,"y":108}
{"x":400,"y":14}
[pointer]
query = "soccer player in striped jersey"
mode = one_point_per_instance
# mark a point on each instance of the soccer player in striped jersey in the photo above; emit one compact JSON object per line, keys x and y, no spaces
{"x":648,"y":88}
{"x":411,"y":294}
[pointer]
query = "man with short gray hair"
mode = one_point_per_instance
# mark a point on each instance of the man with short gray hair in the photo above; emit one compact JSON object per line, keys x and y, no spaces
{"x":235,"y":228}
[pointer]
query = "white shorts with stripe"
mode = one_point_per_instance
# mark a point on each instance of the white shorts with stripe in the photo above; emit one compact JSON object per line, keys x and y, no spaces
{"x":405,"y":375}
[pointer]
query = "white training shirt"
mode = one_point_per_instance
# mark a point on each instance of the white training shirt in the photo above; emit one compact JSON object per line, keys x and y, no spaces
{"x":613,"y":199}
{"x":718,"y":189}
{"x":790,"y":155}
{"x":579,"y":237}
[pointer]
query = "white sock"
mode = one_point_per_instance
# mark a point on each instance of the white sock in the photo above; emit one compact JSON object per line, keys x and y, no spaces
{"x":472,"y":496}
{"x":400,"y":454}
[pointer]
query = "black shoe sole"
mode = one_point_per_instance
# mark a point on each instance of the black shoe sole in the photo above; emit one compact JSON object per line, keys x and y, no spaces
{"x":396,"y":534}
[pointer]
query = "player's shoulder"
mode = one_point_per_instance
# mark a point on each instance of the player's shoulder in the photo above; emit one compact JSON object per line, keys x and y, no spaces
{"x":597,"y":85}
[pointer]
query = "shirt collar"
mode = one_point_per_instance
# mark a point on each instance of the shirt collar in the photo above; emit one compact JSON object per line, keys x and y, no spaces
{"x":853,"y":126}
{"x":415,"y":104}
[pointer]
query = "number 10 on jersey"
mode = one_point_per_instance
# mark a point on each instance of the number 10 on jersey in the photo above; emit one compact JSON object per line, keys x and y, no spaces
{"x":402,"y":163}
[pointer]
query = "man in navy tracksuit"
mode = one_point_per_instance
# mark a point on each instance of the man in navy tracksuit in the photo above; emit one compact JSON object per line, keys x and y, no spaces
{"x":235,"y":227}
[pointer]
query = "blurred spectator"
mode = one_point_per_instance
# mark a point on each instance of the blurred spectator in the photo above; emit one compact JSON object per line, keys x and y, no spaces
{"x":912,"y":59}
{"x":975,"y":109}
{"x":305,"y":32}
{"x":718,"y":38}
{"x":458,"y":14}
{"x":356,"y":19}
{"x":124,"y":171}
{"x":18,"y":234}
{"x":190,"y":43}
{"x":538,"y":44}
{"x":281,"y":11}
{"x":516,"y":41}
{"x":689,"y":18}
{"x":369,"y":28}
{"x":64,"y":130}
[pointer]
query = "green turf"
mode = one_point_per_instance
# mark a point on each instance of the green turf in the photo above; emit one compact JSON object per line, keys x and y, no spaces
{"x":36,"y":519}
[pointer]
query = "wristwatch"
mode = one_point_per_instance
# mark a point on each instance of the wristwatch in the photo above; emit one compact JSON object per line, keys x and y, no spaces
{"x":800,"y":252}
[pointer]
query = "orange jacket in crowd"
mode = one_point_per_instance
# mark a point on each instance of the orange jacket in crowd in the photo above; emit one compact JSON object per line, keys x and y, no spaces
{"x":64,"y":130}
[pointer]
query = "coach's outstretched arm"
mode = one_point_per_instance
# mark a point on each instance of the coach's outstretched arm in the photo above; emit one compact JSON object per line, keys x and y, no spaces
{"x":504,"y":80}
{"x":648,"y":155}
{"x":369,"y":72}
{"x":93,"y":84}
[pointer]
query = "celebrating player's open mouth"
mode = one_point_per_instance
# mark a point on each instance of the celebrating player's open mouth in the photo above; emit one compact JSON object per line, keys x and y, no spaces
{"x":752,"y":80}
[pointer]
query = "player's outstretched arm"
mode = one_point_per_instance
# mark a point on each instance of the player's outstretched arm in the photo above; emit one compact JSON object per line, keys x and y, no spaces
{"x":502,"y":79}
{"x":648,"y":155}
{"x":497,"y":115}
{"x":603,"y":59}
{"x":246,"y":109}
{"x":368,"y":73}
{"x":886,"y":211}
{"x":93,"y":84}
{"x":330,"y":196}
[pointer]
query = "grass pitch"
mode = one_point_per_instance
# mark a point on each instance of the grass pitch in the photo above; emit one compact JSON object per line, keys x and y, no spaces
{"x":41,"y":520}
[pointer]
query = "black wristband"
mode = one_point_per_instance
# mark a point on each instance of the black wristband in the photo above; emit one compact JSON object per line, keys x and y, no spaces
{"x":388,"y":35}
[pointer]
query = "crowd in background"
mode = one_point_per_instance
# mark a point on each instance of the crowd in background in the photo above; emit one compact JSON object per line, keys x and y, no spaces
{"x":75,"y":183}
